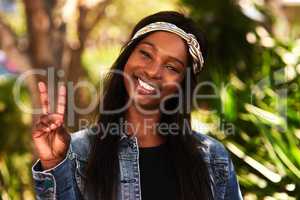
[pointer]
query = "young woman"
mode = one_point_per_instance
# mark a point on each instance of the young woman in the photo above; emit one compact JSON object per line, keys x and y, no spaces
{"x":155,"y":154}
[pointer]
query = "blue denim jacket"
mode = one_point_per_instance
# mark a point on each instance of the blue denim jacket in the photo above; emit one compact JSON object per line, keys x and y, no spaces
{"x":65,"y":181}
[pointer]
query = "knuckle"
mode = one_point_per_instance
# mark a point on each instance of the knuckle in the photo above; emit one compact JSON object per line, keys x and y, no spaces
{"x":43,"y":118}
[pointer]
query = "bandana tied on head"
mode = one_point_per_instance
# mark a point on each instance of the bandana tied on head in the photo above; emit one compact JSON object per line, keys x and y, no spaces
{"x":194,"y":46}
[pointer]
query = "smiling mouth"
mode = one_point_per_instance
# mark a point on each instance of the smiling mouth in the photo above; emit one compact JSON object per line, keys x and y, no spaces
{"x":145,"y":88}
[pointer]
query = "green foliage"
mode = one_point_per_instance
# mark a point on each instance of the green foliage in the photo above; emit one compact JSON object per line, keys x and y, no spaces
{"x":15,"y":144}
{"x":257,"y":74}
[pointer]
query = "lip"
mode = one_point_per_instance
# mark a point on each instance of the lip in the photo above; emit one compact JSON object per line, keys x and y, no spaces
{"x":141,"y":90}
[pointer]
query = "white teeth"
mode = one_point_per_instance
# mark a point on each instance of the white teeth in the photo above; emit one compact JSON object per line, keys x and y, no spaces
{"x":145,"y":85}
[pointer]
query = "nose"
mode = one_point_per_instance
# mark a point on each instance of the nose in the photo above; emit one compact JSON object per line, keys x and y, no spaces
{"x":154,"y":70}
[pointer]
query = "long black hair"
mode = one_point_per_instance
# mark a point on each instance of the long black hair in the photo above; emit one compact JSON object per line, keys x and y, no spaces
{"x":103,"y":164}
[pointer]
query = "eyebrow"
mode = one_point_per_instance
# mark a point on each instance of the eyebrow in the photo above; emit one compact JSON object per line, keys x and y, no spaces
{"x":152,"y":45}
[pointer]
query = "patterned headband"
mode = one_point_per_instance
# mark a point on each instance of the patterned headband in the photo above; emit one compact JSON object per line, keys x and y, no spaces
{"x":194,"y":47}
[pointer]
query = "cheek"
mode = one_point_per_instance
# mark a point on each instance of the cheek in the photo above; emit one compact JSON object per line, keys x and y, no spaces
{"x":128,"y":70}
{"x":127,"y":67}
{"x":170,"y":88}
{"x":127,"y":78}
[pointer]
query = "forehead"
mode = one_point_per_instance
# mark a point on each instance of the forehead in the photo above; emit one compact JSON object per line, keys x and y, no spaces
{"x":167,"y":42}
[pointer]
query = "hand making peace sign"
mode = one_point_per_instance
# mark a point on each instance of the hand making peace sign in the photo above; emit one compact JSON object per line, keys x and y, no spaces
{"x":49,"y":136}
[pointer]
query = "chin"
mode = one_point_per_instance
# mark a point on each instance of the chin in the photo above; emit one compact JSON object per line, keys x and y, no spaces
{"x":147,"y":104}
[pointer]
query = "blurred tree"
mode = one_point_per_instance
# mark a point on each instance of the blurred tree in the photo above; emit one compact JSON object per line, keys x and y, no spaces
{"x":46,"y":42}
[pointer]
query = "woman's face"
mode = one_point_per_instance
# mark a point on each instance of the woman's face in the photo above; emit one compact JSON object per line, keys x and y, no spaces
{"x":155,"y":69}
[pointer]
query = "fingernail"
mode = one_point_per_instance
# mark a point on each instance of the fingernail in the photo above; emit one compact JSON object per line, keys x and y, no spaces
{"x":48,"y":129}
{"x":58,"y":123}
{"x":52,"y":126}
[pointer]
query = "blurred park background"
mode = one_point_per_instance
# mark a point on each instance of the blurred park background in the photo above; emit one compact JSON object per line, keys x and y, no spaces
{"x":253,"y":61}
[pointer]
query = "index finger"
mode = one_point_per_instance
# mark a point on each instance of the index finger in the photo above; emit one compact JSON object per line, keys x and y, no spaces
{"x":43,"y":96}
{"x":61,"y":100}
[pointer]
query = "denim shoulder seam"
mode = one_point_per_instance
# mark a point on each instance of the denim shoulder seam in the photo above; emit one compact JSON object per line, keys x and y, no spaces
{"x":80,"y":143}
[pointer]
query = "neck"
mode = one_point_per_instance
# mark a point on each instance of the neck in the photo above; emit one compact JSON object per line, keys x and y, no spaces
{"x":143,"y":126}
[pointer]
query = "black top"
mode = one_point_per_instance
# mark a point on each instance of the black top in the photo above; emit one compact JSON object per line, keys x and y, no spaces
{"x":157,"y":173}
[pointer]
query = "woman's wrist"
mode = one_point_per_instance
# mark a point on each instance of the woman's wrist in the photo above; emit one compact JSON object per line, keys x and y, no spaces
{"x":48,"y":164}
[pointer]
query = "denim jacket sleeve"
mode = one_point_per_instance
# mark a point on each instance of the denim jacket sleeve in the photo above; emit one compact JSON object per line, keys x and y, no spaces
{"x":61,"y":181}
{"x":224,"y":182}
{"x":233,"y":191}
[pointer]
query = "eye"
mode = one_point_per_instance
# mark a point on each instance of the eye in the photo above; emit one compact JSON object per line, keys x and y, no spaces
{"x":172,"y":68}
{"x":145,"y":54}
